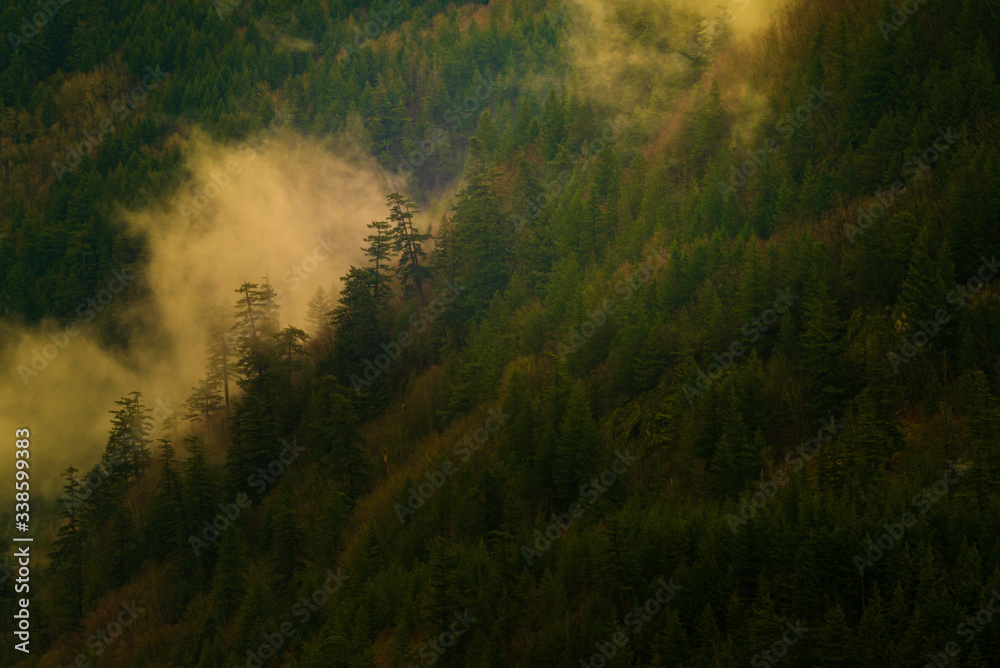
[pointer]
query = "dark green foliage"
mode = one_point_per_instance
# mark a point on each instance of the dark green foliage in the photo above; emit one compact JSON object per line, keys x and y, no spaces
{"x":68,"y":553}
{"x":736,"y":493}
{"x":408,"y":242}
{"x":332,"y":428}
{"x":167,"y":521}
{"x":823,"y":352}
{"x":576,"y":446}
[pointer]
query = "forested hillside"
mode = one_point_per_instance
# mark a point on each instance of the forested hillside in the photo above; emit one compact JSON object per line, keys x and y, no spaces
{"x":678,"y":343}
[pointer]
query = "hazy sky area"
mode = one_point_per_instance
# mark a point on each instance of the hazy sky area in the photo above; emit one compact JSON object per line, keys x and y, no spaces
{"x":290,"y":209}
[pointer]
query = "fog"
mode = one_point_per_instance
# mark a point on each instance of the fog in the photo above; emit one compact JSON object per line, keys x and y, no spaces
{"x":281,"y":206}
{"x":629,"y":54}
{"x":284,"y":207}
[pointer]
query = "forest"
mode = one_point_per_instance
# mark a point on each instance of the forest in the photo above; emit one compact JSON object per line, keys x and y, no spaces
{"x":672,"y":338}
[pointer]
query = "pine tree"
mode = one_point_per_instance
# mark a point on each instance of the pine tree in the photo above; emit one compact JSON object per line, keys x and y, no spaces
{"x":203,"y":402}
{"x":709,"y":129}
{"x":835,"y":642}
{"x":256,"y":322}
{"x":983,"y":427}
{"x":198,"y":491}
{"x":68,"y":551}
{"x":483,"y":145}
{"x":357,"y":319}
{"x":925,"y":287}
{"x":319,"y":315}
{"x":708,"y":637}
{"x":673,"y":646}
{"x":823,"y":353}
{"x":553,"y":126}
{"x":114,"y":513}
{"x":255,"y":443}
{"x":287,"y":541}
{"x":736,"y":458}
{"x":442,"y":592}
{"x":221,"y":347}
{"x":326,"y":536}
{"x":291,"y":360}
{"x":412,"y":270}
{"x":167,"y":520}
{"x":576,"y":446}
{"x":128,"y":443}
{"x":333,"y":430}
{"x":379,"y":247}
{"x":229,"y":572}
{"x":483,"y":239}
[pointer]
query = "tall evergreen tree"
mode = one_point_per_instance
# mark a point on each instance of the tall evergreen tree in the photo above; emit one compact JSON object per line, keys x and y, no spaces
{"x":332,"y":428}
{"x":576,"y":446}
{"x":380,"y":245}
{"x":823,"y":352}
{"x":221,"y":348}
{"x":928,"y":277}
{"x":167,"y":521}
{"x":256,"y":323}
{"x":319,"y":315}
{"x":198,"y":490}
{"x":412,"y":268}
{"x":128,"y":443}
{"x":68,"y":552}
{"x":203,"y":402}
{"x":359,"y":328}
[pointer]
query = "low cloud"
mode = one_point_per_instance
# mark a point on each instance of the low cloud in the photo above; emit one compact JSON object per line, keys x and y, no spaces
{"x":279,"y":205}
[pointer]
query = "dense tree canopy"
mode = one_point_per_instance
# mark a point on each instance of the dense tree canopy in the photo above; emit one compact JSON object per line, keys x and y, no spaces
{"x":682,"y":348}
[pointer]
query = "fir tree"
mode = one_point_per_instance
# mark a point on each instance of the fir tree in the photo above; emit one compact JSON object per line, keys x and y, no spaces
{"x":380,"y":245}
{"x":576,"y":446}
{"x":68,"y":551}
{"x":412,"y":269}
